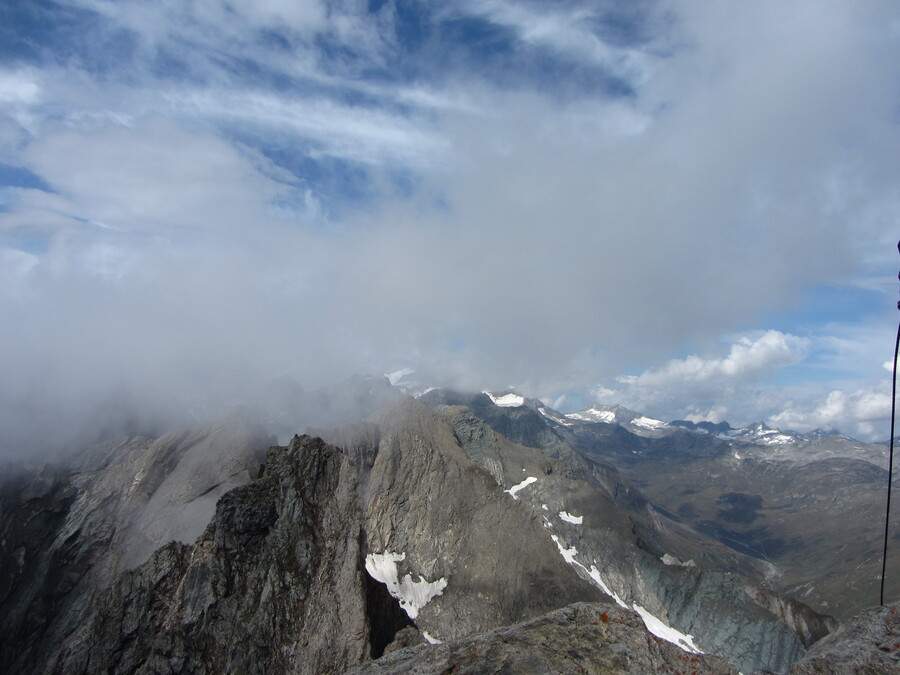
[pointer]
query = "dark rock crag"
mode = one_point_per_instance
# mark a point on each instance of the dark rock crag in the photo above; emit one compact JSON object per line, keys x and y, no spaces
{"x":274,"y":584}
{"x":69,"y":530}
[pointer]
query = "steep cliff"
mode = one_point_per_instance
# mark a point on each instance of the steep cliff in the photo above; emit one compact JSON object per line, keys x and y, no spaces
{"x":274,"y":584}
{"x":69,"y":529}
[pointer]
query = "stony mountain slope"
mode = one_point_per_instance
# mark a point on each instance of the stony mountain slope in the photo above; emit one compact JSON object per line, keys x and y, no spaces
{"x":434,"y":522}
{"x":868,"y":643}
{"x":274,"y":584}
{"x":802,"y":512}
{"x":608,"y":532}
{"x":68,"y":530}
{"x":812,"y":511}
{"x":581,"y":639}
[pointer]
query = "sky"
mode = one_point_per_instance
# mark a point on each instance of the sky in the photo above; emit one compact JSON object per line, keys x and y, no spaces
{"x":687,"y":208}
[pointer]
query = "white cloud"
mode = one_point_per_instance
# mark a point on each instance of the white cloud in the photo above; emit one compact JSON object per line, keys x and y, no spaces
{"x":682,"y":387}
{"x":149,"y":179}
{"x":15,"y":268}
{"x":861,"y":413}
{"x":540,"y":242}
{"x":749,"y":359}
{"x":716,"y":414}
{"x":19,"y":87}
{"x":738,"y":387}
{"x":305,"y":17}
{"x":569,"y":33}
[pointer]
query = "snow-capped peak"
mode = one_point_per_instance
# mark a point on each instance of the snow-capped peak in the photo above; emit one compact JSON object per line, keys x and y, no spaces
{"x":760,"y":434}
{"x":509,"y":400}
{"x":594,"y":414}
{"x":649,"y":423}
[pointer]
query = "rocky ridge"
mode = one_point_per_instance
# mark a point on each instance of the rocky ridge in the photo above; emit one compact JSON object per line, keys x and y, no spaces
{"x":581,"y":639}
{"x":274,"y":584}
{"x":428,"y":524}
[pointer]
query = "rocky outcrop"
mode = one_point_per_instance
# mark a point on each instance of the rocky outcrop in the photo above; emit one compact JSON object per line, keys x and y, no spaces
{"x":424,"y":498}
{"x":867,"y":644}
{"x":426,"y":524}
{"x":616,"y":541}
{"x":274,"y":584}
{"x":581,"y":639}
{"x":67,"y":531}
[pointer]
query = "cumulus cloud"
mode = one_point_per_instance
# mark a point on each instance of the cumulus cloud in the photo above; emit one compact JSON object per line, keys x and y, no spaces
{"x":748,"y":360}
{"x":860,"y":413}
{"x":698,"y":387}
{"x":738,"y":388}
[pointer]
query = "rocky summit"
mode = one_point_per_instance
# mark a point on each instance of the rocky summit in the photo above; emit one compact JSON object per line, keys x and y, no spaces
{"x":450,"y":534}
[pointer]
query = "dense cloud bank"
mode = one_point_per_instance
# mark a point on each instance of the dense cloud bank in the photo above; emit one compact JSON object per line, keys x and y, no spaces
{"x":202,"y":197}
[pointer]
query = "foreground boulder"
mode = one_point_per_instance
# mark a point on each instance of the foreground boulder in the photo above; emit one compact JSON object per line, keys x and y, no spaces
{"x":868,"y":644}
{"x":584,"y":638}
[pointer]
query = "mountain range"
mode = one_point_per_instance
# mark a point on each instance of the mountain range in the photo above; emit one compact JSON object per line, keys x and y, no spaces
{"x":452,"y":532}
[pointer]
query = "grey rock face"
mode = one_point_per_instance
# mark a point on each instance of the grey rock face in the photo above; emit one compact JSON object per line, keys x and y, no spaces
{"x":424,"y":497}
{"x":274,"y":584}
{"x":584,"y":638}
{"x":727,"y":615}
{"x":471,"y":530}
{"x":868,"y":644}
{"x":67,"y":532}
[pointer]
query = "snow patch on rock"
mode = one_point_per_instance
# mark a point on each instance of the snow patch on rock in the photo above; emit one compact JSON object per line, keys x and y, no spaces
{"x":569,"y":554}
{"x":661,"y":630}
{"x":507,"y":400}
{"x":569,"y":518}
{"x":656,"y":626}
{"x":413,"y":595}
{"x":520,"y":486}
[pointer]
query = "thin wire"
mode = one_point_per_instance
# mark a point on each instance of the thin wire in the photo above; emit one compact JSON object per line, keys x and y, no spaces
{"x":887,"y":515}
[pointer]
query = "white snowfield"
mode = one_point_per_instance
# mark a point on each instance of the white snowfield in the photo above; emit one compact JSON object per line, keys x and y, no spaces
{"x":569,"y":518}
{"x":593,"y":415}
{"x":760,"y":435}
{"x":779,"y":439}
{"x":649,"y":423}
{"x":661,"y":630}
{"x":520,"y":486}
{"x":398,"y":375}
{"x":653,"y":624}
{"x":507,"y":400}
{"x":413,"y":595}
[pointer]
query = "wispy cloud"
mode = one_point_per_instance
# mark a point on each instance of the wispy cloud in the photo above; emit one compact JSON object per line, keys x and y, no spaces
{"x":571,"y":33}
